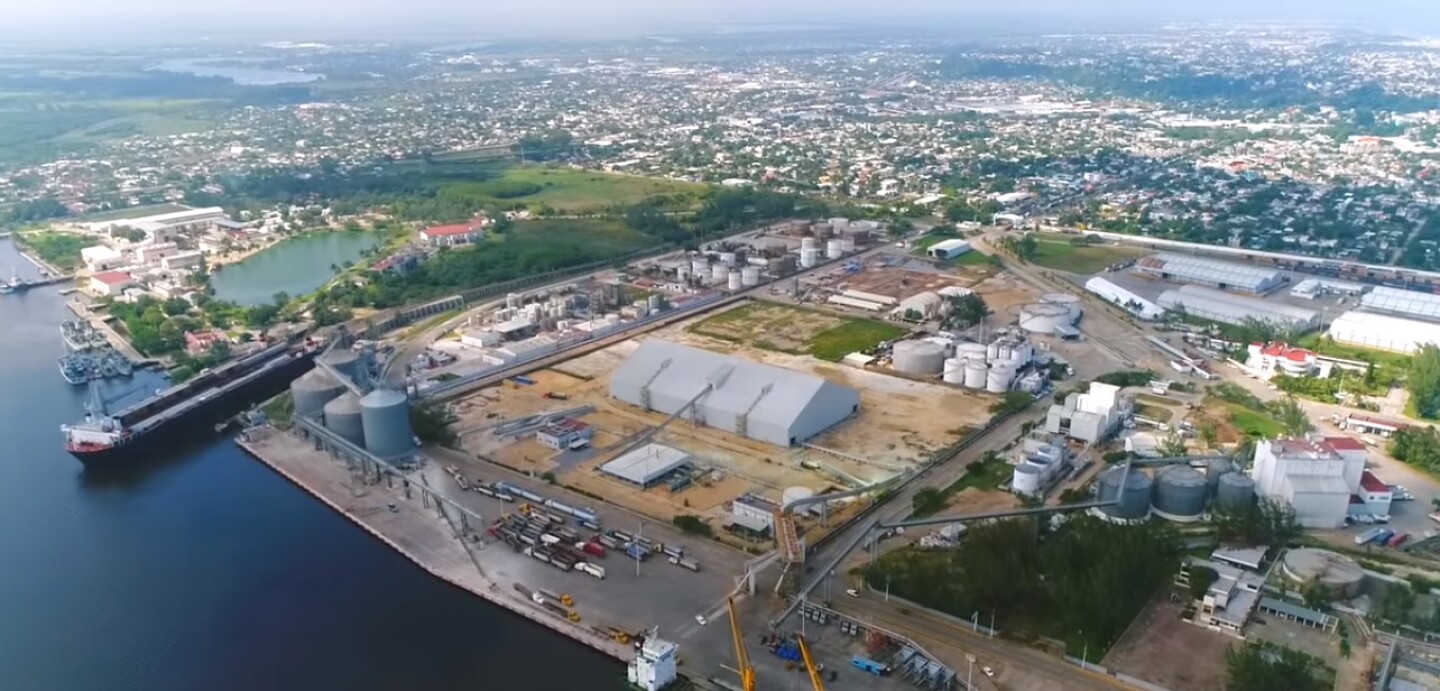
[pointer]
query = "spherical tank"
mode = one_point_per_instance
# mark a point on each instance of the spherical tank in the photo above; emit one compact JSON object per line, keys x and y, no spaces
{"x":313,"y":390}
{"x":342,"y":416}
{"x":975,"y":373}
{"x":919,"y":357}
{"x":1337,"y":572}
{"x":954,"y":372}
{"x":345,"y":362}
{"x":832,"y":249}
{"x":807,"y":243}
{"x":1235,"y":491}
{"x":1026,"y":479}
{"x":750,"y":276}
{"x":1180,"y":493}
{"x":971,"y":351}
{"x":1135,"y":501}
{"x":809,"y":257}
{"x":386,"y":416}
{"x":1043,"y":317}
{"x":1071,"y":303}
{"x":734,"y":281}
{"x":1000,"y":377}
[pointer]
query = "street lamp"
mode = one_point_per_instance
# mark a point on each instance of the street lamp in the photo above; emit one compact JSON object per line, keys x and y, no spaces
{"x":970,"y":671}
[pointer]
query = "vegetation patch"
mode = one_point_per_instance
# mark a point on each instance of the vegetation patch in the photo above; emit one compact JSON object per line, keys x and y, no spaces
{"x":59,"y":249}
{"x":786,"y":329}
{"x":1253,"y":423}
{"x":855,"y":335}
{"x":1080,"y":257}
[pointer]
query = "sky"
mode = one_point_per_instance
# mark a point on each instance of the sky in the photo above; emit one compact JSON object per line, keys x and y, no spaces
{"x":129,"y":19}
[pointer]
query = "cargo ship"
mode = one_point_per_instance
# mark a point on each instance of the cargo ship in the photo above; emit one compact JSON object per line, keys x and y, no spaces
{"x":210,"y":396}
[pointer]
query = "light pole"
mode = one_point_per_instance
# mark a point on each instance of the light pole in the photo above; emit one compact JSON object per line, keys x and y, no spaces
{"x":970,"y":671}
{"x":887,"y":588}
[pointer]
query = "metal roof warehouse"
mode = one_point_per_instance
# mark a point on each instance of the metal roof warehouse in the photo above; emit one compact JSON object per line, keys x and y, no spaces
{"x":1209,"y":272}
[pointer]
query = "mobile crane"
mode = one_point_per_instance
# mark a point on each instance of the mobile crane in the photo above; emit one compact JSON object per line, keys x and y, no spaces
{"x":742,"y":659}
{"x":816,"y":682}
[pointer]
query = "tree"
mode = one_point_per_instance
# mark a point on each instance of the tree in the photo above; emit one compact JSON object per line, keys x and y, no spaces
{"x":1249,"y":668}
{"x":431,"y":422}
{"x":691,"y":524}
{"x":1316,"y":595}
{"x":966,"y":311}
{"x":1423,"y":381}
{"x":1209,"y":433}
{"x":927,"y":501}
{"x":1201,"y":578}
{"x":175,"y":306}
{"x":1291,"y":416}
{"x":1172,"y":446}
{"x":281,"y":298}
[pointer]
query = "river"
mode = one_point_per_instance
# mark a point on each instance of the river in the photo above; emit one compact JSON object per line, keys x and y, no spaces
{"x":236,"y":71}
{"x":202,"y":569}
{"x":296,"y":266}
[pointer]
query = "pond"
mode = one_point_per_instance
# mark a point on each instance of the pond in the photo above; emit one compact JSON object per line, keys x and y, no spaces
{"x":296,"y":266}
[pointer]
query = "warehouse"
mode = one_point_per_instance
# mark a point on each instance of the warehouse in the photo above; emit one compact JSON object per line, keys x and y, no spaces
{"x":646,"y":465}
{"x":1124,"y":298}
{"x":1218,"y":306}
{"x":948,"y":249}
{"x":1383,"y":332}
{"x":1404,"y":303}
{"x":1213,"y":273}
{"x":757,"y":401}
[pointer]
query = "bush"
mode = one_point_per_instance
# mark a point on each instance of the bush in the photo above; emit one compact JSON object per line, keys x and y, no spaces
{"x":1129,"y":378}
{"x":692,"y":525}
{"x":927,"y":501}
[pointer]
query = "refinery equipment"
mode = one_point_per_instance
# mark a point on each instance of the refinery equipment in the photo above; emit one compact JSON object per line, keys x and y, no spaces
{"x":1236,"y":490}
{"x":313,"y":390}
{"x":1134,"y":503}
{"x":1000,"y":377}
{"x":833,"y":249}
{"x":342,"y":416}
{"x":971,"y":351}
{"x":1180,"y":493}
{"x":750,"y":276}
{"x":385,"y":414}
{"x":809,"y":257}
{"x":919,"y":357}
{"x":742,"y":659}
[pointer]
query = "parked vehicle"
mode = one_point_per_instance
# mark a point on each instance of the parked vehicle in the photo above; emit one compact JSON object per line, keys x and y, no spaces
{"x":1368,"y":535}
{"x":868,"y":665}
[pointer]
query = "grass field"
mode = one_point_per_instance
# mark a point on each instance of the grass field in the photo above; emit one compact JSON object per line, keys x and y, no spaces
{"x":1254,"y":423}
{"x":600,"y":236}
{"x":132,"y":212}
{"x":984,"y":474}
{"x":853,"y":336}
{"x":567,"y":190}
{"x":1060,"y":255}
{"x":787,"y":329}
{"x":60,"y":249}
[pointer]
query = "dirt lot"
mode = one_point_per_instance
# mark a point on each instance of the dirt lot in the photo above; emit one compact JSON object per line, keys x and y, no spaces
{"x":768,"y":325}
{"x":1163,"y":649}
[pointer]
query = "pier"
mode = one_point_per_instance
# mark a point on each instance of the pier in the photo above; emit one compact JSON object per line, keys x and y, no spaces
{"x":120,"y":343}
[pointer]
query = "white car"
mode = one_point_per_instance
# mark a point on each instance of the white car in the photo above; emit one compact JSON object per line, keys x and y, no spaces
{"x":852,"y":592}
{"x":700,"y":619}
{"x":988,"y":672}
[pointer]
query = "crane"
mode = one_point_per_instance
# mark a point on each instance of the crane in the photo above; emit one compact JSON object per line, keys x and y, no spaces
{"x":742,"y":660}
{"x":816,"y":682}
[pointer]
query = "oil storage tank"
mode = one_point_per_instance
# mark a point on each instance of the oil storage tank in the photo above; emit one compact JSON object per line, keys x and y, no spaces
{"x":1043,"y":317}
{"x":1338,"y":573}
{"x":386,"y":416}
{"x":975,"y":373}
{"x":342,"y":416}
{"x":1180,"y":494}
{"x":1235,"y":491}
{"x":1135,"y":501}
{"x":1000,"y":377}
{"x":954,"y":372}
{"x":919,"y":357}
{"x":313,"y":390}
{"x":971,"y":351}
{"x":750,"y":276}
{"x":1071,"y":303}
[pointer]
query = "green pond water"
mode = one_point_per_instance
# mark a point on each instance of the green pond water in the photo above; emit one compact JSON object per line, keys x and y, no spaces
{"x":296,"y":266}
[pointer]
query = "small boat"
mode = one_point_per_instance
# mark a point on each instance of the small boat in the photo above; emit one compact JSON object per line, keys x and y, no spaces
{"x":73,"y":370}
{"x":124,"y":366}
{"x":108,"y":369}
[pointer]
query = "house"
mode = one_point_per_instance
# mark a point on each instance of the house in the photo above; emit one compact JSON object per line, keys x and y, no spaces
{"x":200,"y":342}
{"x":110,"y":283}
{"x":564,"y":433}
{"x":451,"y":235}
{"x":1230,"y":599}
{"x":182,"y":261}
{"x":1266,"y":360}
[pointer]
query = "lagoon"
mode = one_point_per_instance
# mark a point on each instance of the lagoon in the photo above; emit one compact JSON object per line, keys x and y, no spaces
{"x":296,"y":266}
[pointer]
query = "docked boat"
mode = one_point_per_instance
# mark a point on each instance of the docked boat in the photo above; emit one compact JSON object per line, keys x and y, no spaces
{"x":73,"y":370}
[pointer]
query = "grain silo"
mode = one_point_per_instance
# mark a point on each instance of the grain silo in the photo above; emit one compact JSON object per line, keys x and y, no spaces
{"x":1180,"y":493}
{"x":954,"y":371}
{"x":999,"y":378}
{"x":386,"y":415}
{"x":1044,"y":317}
{"x":1214,"y":470}
{"x":342,"y":416}
{"x":313,"y":390}
{"x":1236,"y":491}
{"x":1070,"y":302}
{"x":975,"y":373}
{"x":345,"y":362}
{"x":1134,"y":501}
{"x":918,"y":357}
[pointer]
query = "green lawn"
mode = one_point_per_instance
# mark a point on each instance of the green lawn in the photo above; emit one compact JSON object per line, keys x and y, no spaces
{"x":1060,"y":255}
{"x":599,"y":236}
{"x":1253,"y":422}
{"x":853,"y":336}
{"x":133,"y":212}
{"x":567,"y":190}
{"x":984,"y":474}
{"x":59,"y":249}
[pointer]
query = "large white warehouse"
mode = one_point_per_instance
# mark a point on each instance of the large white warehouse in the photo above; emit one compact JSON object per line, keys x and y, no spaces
{"x":1180,"y":268}
{"x":1383,"y":332}
{"x":1219,"y":306}
{"x":765,"y":403}
{"x":1404,"y":303}
{"x":1124,"y":298}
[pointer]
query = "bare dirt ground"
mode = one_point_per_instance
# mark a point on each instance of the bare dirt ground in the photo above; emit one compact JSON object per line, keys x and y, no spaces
{"x":897,"y":282}
{"x":769,"y":325}
{"x":1004,"y":295}
{"x":1163,"y":649}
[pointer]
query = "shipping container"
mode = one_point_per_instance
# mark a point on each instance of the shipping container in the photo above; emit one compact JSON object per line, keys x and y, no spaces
{"x":869,"y":665}
{"x":528,"y":539}
{"x":593,"y":569}
{"x":522,"y":380}
{"x":685,"y":563}
{"x":593,"y":549}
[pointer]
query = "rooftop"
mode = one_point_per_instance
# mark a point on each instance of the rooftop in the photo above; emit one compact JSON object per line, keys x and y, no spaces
{"x":1344,"y":443}
{"x":1301,"y":448}
{"x":113,"y":277}
{"x":442,"y":231}
{"x":1370,"y":483}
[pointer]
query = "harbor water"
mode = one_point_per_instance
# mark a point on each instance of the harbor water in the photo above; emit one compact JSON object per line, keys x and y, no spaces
{"x":202,"y":569}
{"x":296,"y":266}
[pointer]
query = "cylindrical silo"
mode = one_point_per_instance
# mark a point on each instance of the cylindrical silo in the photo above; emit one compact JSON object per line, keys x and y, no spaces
{"x":734,"y":280}
{"x":727,"y":258}
{"x":1022,"y":353}
{"x":823,"y":230}
{"x":1000,"y":376}
{"x":1044,"y":317}
{"x":799,"y":227}
{"x":776,"y":267}
{"x":918,"y":357}
{"x":1235,"y":491}
{"x":512,"y":300}
{"x":1134,"y":501}
{"x":345,"y":362}
{"x":386,"y":416}
{"x":954,"y":371}
{"x":809,"y":257}
{"x":1026,"y":479}
{"x":1003,"y":352}
{"x":1214,"y":470}
{"x":975,"y":373}
{"x":847,"y":244}
{"x":1180,"y":493}
{"x":750,"y":276}
{"x":682,"y":273}
{"x":342,"y":416}
{"x":808,"y":243}
{"x":641,"y":307}
{"x":313,"y":390}
{"x":971,"y":351}
{"x":700,"y":266}
{"x":1071,"y":303}
{"x":832,"y":249}
{"x":718,"y":273}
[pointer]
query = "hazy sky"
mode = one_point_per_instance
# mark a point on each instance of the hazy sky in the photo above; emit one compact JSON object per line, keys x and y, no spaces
{"x":130,"y":18}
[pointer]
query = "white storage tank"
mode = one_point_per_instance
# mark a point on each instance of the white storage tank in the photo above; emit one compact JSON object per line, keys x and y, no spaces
{"x":512,"y":300}
{"x":1026,"y":479}
{"x":654,"y":303}
{"x":313,"y":390}
{"x":342,"y":416}
{"x":807,"y":243}
{"x":954,"y":372}
{"x":727,"y":258}
{"x":718,"y":273}
{"x":1071,"y":303}
{"x":682,"y":273}
{"x":642,"y":307}
{"x":847,"y":244}
{"x":975,"y":373}
{"x":809,"y":257}
{"x":735,"y":280}
{"x":1001,"y":374}
{"x":750,"y":276}
{"x":1023,"y":353}
{"x":971,"y":351}
{"x":386,"y":417}
{"x":992,"y":351}
{"x":918,"y":357}
{"x":700,"y":266}
{"x":832,"y":249}
{"x":1044,"y":317}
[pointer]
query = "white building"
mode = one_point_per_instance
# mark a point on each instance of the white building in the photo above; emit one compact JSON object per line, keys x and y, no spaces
{"x":1309,"y":475}
{"x":927,"y":304}
{"x":110,"y":283}
{"x":1229,"y":601}
{"x":1124,"y":298}
{"x":654,"y":666}
{"x":948,"y":249}
{"x":182,"y":261}
{"x":1214,"y":273}
{"x":101,"y":258}
{"x":151,"y":252}
{"x":1267,"y":360}
{"x":1089,"y":417}
{"x":1220,"y":306}
{"x":1040,"y":460}
{"x":1383,"y":332}
{"x":753,"y":513}
{"x":562,"y":434}
{"x":452,"y":235}
{"x":168,"y":226}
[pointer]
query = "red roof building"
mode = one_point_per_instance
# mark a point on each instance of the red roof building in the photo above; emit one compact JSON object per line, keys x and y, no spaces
{"x":1270,"y":359}
{"x":1370,"y":483}
{"x":199,"y":342}
{"x":451,"y":235}
{"x":111,"y":282}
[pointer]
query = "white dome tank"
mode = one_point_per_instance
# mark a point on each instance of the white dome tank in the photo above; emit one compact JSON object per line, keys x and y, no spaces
{"x":975,"y":374}
{"x":1000,"y":377}
{"x":794,"y":494}
{"x":1026,"y":479}
{"x":1044,"y":317}
{"x":919,"y":357}
{"x":386,"y":416}
{"x":750,"y":276}
{"x":971,"y":351}
{"x":1071,"y":303}
{"x":833,"y":249}
{"x":954,"y":372}
{"x":735,"y":280}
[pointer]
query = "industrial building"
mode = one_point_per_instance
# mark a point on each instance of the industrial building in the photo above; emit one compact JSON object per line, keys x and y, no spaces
{"x":1383,"y":332}
{"x":1090,"y":417}
{"x":564,"y":433}
{"x":755,"y":514}
{"x":1312,"y":288}
{"x":1125,"y":299}
{"x":655,"y":664}
{"x":948,"y":249}
{"x":1219,"y":306}
{"x":168,"y":226}
{"x":1267,"y":360}
{"x":1213,"y":273}
{"x":1231,"y":598}
{"x":647,"y":465}
{"x":1315,"y":479}
{"x":756,"y":401}
{"x":1402,"y":303}
{"x":1040,"y":461}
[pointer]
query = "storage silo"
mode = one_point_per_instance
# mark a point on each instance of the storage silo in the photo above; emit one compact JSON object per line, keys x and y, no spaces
{"x":1236,"y":491}
{"x":809,"y":257}
{"x":718,"y":273}
{"x":1214,"y":470}
{"x":971,"y":351}
{"x":1134,"y":502}
{"x":1026,"y":479}
{"x":823,"y":229}
{"x":833,"y":249}
{"x":847,"y":244}
{"x":700,"y":266}
{"x":1071,"y":303}
{"x":342,"y":416}
{"x":386,"y":416}
{"x":682,"y":273}
{"x":918,"y":357}
{"x":313,"y":390}
{"x":954,"y":371}
{"x":750,"y":276}
{"x":808,"y":243}
{"x":1180,"y":493}
{"x":1044,"y":317}
{"x":975,"y":373}
{"x":727,"y":258}
{"x":1000,"y":376}
{"x":1022,"y":354}
{"x":345,"y":362}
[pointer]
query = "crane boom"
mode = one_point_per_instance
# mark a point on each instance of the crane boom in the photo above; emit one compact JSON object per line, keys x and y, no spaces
{"x":742,"y":660}
{"x":816,"y":682}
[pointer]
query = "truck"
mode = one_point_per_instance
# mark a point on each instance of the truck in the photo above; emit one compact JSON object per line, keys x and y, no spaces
{"x":589,"y":525}
{"x":562,"y":598}
{"x":593,"y":549}
{"x":868,"y":665}
{"x":673,"y":551}
{"x":595,"y":570}
{"x":686,"y":563}
{"x":635,"y":551}
{"x":1368,"y":535}
{"x":1398,"y":540}
{"x":607,"y":541}
{"x":549,"y":539}
{"x":1384,"y":537}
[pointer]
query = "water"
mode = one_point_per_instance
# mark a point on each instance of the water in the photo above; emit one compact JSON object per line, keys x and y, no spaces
{"x":202,"y":569}
{"x":246,"y":76}
{"x":296,"y":266}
